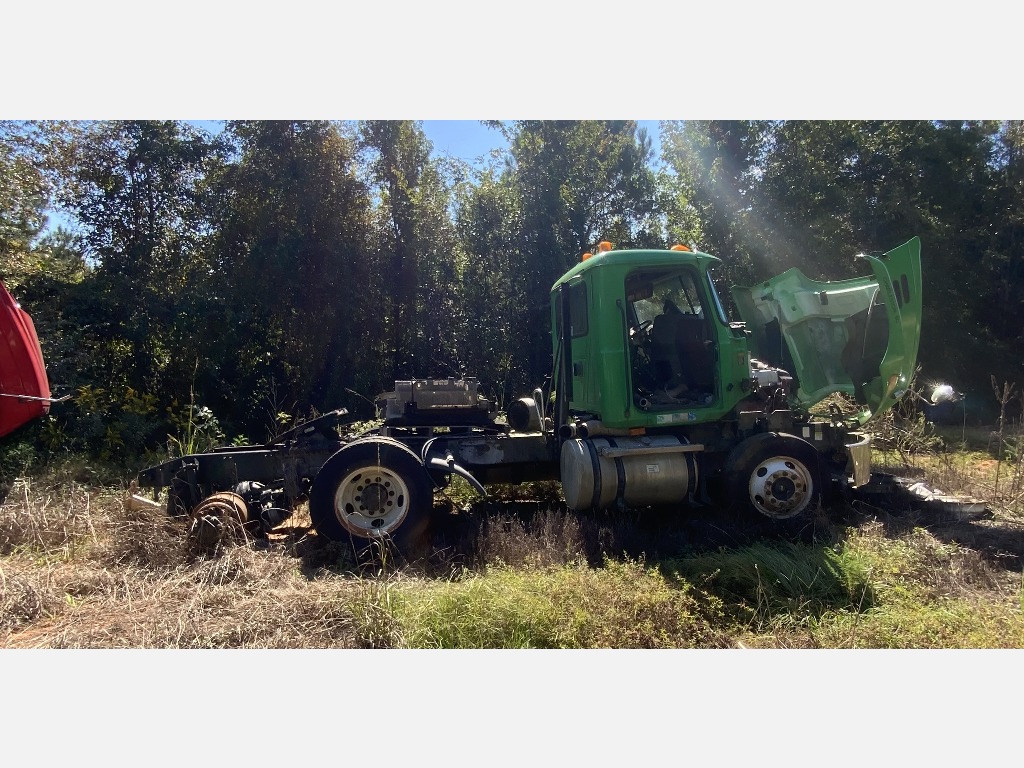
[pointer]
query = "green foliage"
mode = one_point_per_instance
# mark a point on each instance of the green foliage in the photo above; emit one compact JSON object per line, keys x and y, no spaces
{"x":291,"y":238}
{"x":622,"y":605}
{"x":715,"y":168}
{"x":17,"y":456}
{"x":415,"y":255}
{"x":867,"y":590}
{"x":925,"y":597}
{"x":115,"y":424}
{"x":282,"y":265}
{"x":198,"y":430}
{"x":488,"y":222}
{"x":765,"y":580}
{"x":23,"y":198}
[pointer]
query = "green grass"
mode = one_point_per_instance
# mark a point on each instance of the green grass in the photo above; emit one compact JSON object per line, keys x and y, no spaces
{"x":621,"y":605}
{"x":868,"y":590}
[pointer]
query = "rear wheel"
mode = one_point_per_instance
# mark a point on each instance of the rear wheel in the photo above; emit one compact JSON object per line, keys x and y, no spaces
{"x":374,"y":489}
{"x":775,"y":475}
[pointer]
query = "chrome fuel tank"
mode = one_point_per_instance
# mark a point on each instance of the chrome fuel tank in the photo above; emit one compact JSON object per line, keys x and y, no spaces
{"x":635,"y":471}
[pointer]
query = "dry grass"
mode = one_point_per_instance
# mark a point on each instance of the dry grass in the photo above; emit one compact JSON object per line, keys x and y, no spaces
{"x":80,"y":570}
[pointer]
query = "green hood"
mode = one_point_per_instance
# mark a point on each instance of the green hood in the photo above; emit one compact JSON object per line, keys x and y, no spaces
{"x":857,"y":336}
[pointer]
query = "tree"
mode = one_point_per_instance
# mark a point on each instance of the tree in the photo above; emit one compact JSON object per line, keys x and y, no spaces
{"x":577,"y":182}
{"x":715,"y":169}
{"x":290,"y":237}
{"x":104,"y":301}
{"x":416,"y":249}
{"x":489,"y":226}
{"x":132,"y":186}
{"x":1004,"y":260}
{"x":23,"y":201}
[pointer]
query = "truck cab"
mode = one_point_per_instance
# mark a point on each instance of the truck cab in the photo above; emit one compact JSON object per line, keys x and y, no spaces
{"x":645,"y":341}
{"x":661,"y":397}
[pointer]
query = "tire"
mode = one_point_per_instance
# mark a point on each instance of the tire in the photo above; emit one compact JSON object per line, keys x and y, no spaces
{"x":373,"y":489}
{"x":775,"y":475}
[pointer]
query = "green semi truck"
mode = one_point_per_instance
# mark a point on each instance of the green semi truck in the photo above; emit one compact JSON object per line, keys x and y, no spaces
{"x":657,"y":398}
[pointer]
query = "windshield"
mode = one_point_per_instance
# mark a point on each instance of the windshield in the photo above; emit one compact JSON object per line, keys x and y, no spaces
{"x":651,"y":297}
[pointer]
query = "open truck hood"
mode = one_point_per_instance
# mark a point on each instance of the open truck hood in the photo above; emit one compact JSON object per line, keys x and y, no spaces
{"x":858,"y":336}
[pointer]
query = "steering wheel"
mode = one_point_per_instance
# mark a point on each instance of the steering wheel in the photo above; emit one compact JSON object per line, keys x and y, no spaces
{"x":638,"y":333}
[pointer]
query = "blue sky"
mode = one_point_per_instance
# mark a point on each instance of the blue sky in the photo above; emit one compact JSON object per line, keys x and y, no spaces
{"x":467,"y":139}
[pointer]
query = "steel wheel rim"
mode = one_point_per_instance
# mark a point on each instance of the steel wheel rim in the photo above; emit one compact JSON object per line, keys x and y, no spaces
{"x":371,"y":501}
{"x":780,"y":487}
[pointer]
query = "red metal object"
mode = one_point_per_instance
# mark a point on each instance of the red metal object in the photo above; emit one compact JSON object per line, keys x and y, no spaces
{"x":24,"y":389}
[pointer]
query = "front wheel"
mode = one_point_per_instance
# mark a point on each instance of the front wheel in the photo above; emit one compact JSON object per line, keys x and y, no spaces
{"x":373,"y":489}
{"x":774,"y":474}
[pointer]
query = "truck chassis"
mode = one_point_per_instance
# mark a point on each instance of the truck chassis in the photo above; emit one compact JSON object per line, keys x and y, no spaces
{"x":658,"y":400}
{"x":378,"y":484}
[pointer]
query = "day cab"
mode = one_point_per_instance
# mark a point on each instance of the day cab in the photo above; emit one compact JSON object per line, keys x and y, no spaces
{"x":648,"y":356}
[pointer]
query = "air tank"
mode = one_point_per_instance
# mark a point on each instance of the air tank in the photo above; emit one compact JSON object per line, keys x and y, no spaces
{"x":524,"y":415}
